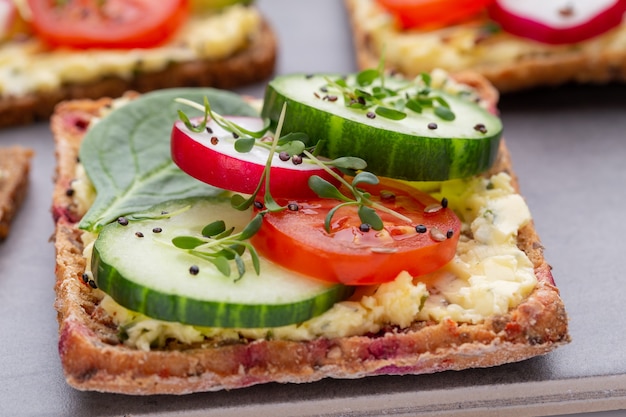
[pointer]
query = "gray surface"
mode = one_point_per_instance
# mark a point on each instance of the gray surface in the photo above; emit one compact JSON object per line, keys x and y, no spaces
{"x":569,"y":150}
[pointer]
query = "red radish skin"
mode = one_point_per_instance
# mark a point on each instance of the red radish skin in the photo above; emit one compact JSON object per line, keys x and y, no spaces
{"x":565,"y":22}
{"x":239,"y":172}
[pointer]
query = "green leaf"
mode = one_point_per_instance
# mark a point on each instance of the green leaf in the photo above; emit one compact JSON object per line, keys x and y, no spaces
{"x":126,"y":155}
{"x":244,"y":145}
{"x":348,"y":162}
{"x":389,"y":113}
{"x":329,"y":216}
{"x":369,"y":216}
{"x":252,"y":228}
{"x":187,"y":242}
{"x":221,"y":264}
{"x":325,"y":189}
{"x":444,"y":113}
{"x":414,"y":105}
{"x":365,"y":178}
{"x":256,"y":262}
{"x":214,"y":228}
{"x":368,"y":76}
{"x":294,"y":147}
{"x":426,"y":78}
{"x":293,"y":136}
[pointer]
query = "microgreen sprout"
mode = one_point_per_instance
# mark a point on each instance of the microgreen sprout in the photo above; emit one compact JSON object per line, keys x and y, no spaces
{"x":219,"y":246}
{"x":389,"y":103}
{"x":366,"y":207}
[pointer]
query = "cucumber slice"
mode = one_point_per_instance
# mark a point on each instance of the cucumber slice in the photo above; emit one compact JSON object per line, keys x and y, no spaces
{"x":405,"y":149}
{"x":151,"y":276}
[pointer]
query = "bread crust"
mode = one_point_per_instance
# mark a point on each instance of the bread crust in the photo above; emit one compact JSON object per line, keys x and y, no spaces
{"x":254,"y":63}
{"x":94,"y":359}
{"x":14,"y":182}
{"x":534,"y":70}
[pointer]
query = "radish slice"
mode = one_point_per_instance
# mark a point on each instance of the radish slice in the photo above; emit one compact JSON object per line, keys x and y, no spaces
{"x":558,"y":21}
{"x":212,"y":158}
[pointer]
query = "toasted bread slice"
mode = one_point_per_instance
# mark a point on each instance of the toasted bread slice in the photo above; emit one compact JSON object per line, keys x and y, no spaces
{"x":508,"y":62}
{"x":14,"y":180}
{"x":252,"y":62}
{"x":93,"y":357}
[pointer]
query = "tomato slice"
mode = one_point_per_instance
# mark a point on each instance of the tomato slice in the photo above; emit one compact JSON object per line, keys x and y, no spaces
{"x":107,"y":24}
{"x":558,"y":22}
{"x":433,"y":14}
{"x":297,"y":239}
{"x":212,"y":158}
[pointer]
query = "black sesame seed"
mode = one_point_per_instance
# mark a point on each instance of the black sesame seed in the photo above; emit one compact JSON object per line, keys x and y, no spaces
{"x":371,"y":115}
{"x":444,"y":202}
{"x":236,"y":136}
{"x":138,"y":234}
{"x":364,"y":227}
{"x":258,"y":205}
{"x":386,"y":195}
{"x":420,"y":228}
{"x":479,"y":127}
{"x":432,"y":125}
{"x":123,"y":221}
{"x":209,"y":130}
{"x":450,"y":233}
{"x":296,"y":159}
{"x":85,"y":277}
{"x":69,"y":192}
{"x":193,"y":269}
{"x":157,"y":230}
{"x":92,"y":284}
{"x":293,"y":207}
{"x":284,"y":156}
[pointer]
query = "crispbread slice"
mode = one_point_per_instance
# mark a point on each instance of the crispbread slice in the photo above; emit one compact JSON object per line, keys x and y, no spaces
{"x":254,"y":63}
{"x":94,"y":359}
{"x":14,"y":180}
{"x":600,"y":60}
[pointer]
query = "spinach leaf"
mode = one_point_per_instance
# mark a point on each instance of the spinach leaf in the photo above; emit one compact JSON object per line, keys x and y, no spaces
{"x":126,"y":155}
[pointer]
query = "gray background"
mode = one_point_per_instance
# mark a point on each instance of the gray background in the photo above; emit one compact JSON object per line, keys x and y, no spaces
{"x":569,"y":150}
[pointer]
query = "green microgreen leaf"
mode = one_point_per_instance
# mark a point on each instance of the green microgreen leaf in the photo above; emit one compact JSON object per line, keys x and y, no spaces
{"x":365,"y":178}
{"x":325,"y":189}
{"x":251,"y":228}
{"x":214,"y":228}
{"x":221,"y":264}
{"x":331,"y":213}
{"x":367,"y":77}
{"x":414,"y":105}
{"x":187,"y":242}
{"x":293,"y":137}
{"x":244,"y":145}
{"x":369,"y":216}
{"x":294,"y":147}
{"x":390,"y":113}
{"x":426,"y":78}
{"x":348,"y":162}
{"x":444,"y":113}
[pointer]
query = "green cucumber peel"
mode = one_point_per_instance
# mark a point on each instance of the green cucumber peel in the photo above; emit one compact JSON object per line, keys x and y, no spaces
{"x":403,"y":129}
{"x":126,"y":155}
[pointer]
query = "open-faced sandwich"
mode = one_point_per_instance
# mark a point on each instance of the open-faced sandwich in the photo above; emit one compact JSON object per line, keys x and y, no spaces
{"x":353,"y":226}
{"x":515,"y":44}
{"x":54,"y":51}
